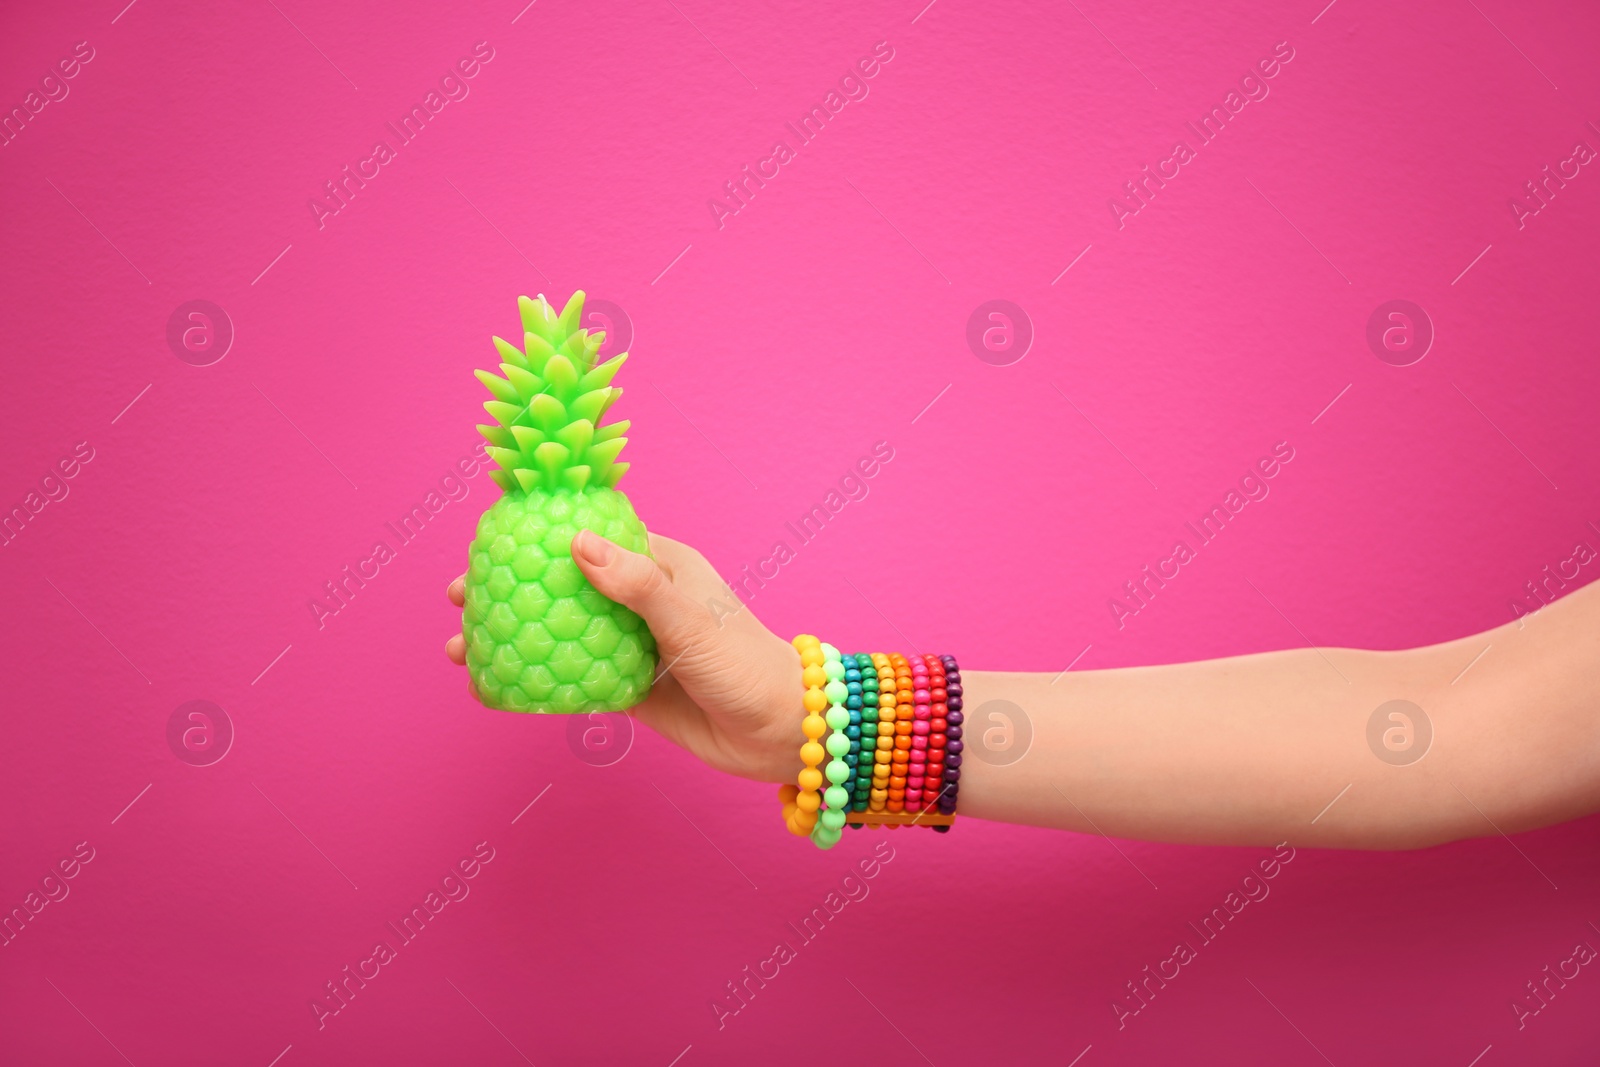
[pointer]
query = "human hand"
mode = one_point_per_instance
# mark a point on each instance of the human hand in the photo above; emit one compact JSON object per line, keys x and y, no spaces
{"x":728,"y":689}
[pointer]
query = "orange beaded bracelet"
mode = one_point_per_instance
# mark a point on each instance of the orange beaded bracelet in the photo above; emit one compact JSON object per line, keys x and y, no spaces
{"x":879,"y":794}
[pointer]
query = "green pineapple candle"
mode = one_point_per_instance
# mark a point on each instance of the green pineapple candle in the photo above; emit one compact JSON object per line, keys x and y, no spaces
{"x":539,"y":637}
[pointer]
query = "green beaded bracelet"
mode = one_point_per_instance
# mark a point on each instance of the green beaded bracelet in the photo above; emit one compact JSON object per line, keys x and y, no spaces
{"x":830,"y":821}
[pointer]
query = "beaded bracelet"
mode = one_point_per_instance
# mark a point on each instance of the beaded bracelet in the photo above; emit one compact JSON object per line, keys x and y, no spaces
{"x":800,"y":803}
{"x":920,"y":717}
{"x":853,"y":704}
{"x":878,"y":793}
{"x":902,"y":733}
{"x":953,"y":719}
{"x":868,"y":747}
{"x":892,"y":727}
{"x":830,"y":823}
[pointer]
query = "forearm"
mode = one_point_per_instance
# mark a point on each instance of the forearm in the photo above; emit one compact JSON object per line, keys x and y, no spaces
{"x":1256,"y":749}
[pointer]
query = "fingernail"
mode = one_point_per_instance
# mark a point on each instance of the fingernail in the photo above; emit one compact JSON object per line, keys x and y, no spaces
{"x":595,"y":550}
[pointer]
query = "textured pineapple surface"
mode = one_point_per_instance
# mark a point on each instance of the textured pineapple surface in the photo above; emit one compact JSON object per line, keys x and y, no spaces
{"x":540,"y":637}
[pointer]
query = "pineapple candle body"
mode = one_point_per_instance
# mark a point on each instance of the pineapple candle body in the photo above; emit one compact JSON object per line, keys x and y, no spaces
{"x":539,"y":637}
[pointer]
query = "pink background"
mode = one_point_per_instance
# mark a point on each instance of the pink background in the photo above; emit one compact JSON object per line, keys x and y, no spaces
{"x":768,"y":356}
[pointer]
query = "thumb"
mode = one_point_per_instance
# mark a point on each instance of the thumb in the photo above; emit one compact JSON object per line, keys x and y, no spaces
{"x":637,"y":582}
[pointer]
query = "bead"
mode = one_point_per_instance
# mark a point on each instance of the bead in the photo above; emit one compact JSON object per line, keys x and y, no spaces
{"x":814,"y":701}
{"x":833,"y":820}
{"x":903,"y":727}
{"x":810,"y":779}
{"x":937,"y":724}
{"x":837,"y":772}
{"x":954,"y":703}
{"x":903,"y":741}
{"x":808,"y":802}
{"x":814,"y":677}
{"x":838,"y":744}
{"x":954,"y":689}
{"x":939,"y":741}
{"x":953,"y":747}
{"x":811,"y":657}
{"x":786,"y":793}
{"x":852,"y":687}
{"x":920,"y":696}
{"x":953,"y":733}
{"x":813,"y":726}
{"x":836,"y":796}
{"x":853,"y":732}
{"x":920,"y":727}
{"x":835,"y":692}
{"x":956,"y":718}
{"x":919,"y":742}
{"x":811,"y":753}
{"x":953,"y":762}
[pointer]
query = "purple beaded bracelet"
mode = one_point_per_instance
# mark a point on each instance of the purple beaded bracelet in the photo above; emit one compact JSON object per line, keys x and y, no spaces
{"x":948,"y":795}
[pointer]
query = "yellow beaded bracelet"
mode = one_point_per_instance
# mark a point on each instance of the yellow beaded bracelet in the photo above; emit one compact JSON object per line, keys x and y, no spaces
{"x":800,"y":803}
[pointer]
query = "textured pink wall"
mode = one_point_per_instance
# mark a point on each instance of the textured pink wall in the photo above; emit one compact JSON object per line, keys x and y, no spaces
{"x":771,"y":352}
